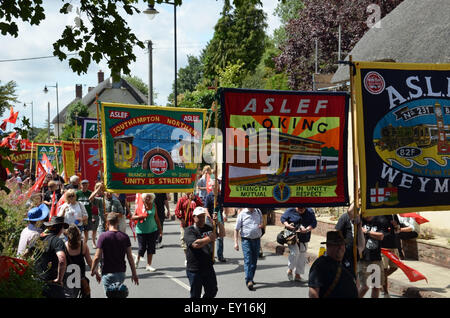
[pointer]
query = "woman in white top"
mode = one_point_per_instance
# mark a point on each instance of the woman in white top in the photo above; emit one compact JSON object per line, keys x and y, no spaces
{"x":73,"y":211}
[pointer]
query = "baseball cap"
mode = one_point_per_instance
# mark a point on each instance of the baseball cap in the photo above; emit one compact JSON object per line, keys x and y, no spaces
{"x":199,"y":210}
{"x":85,"y":181}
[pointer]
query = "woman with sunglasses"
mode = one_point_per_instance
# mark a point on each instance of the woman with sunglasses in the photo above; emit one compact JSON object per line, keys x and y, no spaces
{"x":72,"y":211}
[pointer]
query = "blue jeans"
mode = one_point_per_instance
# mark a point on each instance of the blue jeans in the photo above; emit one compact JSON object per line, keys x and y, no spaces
{"x":111,"y":278}
{"x":250,"y":248}
{"x":219,"y":246}
{"x":203,"y":278}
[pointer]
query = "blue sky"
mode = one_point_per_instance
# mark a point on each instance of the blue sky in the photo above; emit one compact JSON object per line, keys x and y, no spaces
{"x":195,"y":27}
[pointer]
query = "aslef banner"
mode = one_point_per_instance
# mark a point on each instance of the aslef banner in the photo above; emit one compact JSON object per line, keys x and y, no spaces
{"x":403,"y":117}
{"x":284,"y":148}
{"x":151,"y":149}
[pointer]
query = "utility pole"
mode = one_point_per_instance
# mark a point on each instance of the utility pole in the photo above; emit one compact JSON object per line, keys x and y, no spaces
{"x":150,"y":72}
{"x":48,"y":121}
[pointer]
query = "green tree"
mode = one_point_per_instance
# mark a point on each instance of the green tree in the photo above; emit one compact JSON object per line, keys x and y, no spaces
{"x":239,"y":36}
{"x":74,"y":111}
{"x":190,"y":76}
{"x":286,"y":11}
{"x":110,"y":36}
{"x":7,"y":95}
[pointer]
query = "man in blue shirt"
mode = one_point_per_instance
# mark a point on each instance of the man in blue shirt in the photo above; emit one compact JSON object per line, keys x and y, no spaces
{"x":249,"y":223}
{"x":303,"y":221}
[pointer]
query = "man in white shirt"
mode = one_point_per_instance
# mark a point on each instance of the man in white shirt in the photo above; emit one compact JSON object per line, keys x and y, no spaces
{"x":249,"y":224}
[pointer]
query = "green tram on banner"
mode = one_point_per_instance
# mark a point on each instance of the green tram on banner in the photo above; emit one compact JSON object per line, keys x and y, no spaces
{"x":299,"y":160}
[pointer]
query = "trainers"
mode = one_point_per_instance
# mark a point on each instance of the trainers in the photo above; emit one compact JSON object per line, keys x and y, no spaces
{"x":290,"y":276}
{"x":298,"y":278}
{"x":150,"y":269}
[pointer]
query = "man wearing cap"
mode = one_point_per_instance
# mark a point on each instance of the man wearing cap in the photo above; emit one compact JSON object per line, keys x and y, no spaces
{"x":51,"y":262}
{"x":199,"y":240}
{"x":328,"y":278}
{"x":31,"y":232}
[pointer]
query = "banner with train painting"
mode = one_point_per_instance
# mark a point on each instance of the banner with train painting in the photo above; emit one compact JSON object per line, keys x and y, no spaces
{"x":403,"y":115}
{"x":151,"y":149}
{"x":284,"y":148}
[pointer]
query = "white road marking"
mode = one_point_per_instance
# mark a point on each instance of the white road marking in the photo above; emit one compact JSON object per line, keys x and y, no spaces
{"x":179,"y":282}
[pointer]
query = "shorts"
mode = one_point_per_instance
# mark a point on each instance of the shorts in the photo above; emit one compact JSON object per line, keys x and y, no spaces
{"x":387,"y":263}
{"x":147,"y":243}
{"x":92,"y":226}
{"x":367,"y":276}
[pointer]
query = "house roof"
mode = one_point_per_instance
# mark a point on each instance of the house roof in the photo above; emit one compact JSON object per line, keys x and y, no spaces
{"x":416,"y":31}
{"x":89,"y":98}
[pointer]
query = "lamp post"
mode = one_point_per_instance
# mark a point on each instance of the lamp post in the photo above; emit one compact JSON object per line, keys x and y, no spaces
{"x":151,"y":12}
{"x":150,"y":72}
{"x":57,"y":106}
{"x":32,"y":121}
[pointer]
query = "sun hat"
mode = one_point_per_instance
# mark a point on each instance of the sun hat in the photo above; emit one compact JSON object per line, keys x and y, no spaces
{"x":38,"y":213}
{"x":334,"y":238}
{"x":56,"y":220}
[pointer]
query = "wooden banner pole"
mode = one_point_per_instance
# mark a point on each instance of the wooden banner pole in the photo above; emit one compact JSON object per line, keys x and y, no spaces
{"x":356,"y":206}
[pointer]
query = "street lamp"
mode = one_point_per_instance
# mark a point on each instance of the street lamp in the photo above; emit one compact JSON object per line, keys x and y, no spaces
{"x":32,"y":121}
{"x":151,"y":12}
{"x":57,"y":105}
{"x":150,"y":71}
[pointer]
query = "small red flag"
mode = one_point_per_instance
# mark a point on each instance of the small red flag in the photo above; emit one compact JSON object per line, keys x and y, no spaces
{"x":46,"y":164}
{"x":419,"y":219}
{"x":3,"y":125}
{"x":53,"y":209}
{"x":12,"y":116}
{"x":411,"y":273}
{"x":36,"y":187}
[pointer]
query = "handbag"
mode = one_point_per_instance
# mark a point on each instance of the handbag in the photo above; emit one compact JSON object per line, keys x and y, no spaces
{"x":287,"y":237}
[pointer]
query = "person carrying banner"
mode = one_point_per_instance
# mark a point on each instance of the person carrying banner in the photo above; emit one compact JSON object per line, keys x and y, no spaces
{"x":202,"y":184}
{"x":148,"y":228}
{"x":390,"y":225}
{"x":199,"y":238}
{"x":248,"y":226}
{"x":184,"y":212}
{"x":328,"y":277}
{"x":162,"y":203}
{"x":371,"y":258}
{"x":303,"y":221}
{"x":345,"y":224}
{"x":409,"y":229}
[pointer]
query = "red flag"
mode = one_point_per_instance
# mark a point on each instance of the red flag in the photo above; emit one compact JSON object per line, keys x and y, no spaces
{"x":12,"y":117}
{"x":411,"y":273}
{"x":47,"y":164}
{"x":5,"y":142}
{"x":3,"y":125}
{"x":12,"y":135}
{"x":140,"y":210}
{"x":40,"y":170}
{"x":53,"y":209}
{"x":58,"y":206}
{"x":419,"y":219}
{"x":36,"y":187}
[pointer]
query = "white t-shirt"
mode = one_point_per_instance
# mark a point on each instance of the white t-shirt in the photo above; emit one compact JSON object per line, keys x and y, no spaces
{"x":72,"y":212}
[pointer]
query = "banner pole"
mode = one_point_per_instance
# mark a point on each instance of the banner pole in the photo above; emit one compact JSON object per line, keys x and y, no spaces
{"x":101,"y":161}
{"x":57,"y":159}
{"x":356,"y":207}
{"x":31,"y":158}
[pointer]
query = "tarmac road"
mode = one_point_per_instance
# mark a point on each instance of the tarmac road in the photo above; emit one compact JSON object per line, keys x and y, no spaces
{"x":170,"y":281}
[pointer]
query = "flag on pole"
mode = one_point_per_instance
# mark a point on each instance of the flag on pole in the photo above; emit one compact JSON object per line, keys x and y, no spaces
{"x":47,"y":164}
{"x":40,"y":170}
{"x":37,"y":185}
{"x":53,"y":209}
{"x":418,"y":218}
{"x":12,"y":116}
{"x":58,"y":206}
{"x":412,"y":274}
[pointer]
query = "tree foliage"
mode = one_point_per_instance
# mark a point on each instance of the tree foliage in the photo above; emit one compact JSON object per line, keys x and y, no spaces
{"x":239,"y":36}
{"x":7,"y":96}
{"x":110,"y":36}
{"x":320,"y":19}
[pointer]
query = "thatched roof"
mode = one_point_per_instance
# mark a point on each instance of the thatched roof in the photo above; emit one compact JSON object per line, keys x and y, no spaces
{"x":417,"y":31}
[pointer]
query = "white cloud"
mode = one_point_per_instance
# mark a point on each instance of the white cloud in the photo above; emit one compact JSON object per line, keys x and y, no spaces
{"x":195,"y":27}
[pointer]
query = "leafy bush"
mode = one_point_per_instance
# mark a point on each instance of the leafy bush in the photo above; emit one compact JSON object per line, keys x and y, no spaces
{"x":11,"y":225}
